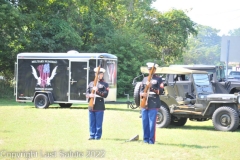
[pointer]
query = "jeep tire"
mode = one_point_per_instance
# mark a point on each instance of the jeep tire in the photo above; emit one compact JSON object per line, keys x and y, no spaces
{"x":225,"y":119}
{"x":163,"y":117}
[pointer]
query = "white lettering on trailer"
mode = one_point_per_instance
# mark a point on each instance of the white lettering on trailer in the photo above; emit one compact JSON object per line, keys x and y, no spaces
{"x":44,"y":89}
{"x":44,"y":61}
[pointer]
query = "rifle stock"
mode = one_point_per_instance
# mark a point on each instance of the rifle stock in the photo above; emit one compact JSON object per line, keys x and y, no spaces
{"x":146,"y":89}
{"x":92,"y":99}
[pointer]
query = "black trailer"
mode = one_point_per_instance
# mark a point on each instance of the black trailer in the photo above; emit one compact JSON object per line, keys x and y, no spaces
{"x":62,"y":78}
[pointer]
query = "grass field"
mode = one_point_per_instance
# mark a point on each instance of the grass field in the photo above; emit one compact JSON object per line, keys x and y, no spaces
{"x":62,"y":134}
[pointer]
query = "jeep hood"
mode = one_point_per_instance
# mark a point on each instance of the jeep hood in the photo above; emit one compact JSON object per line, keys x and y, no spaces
{"x":221,"y":97}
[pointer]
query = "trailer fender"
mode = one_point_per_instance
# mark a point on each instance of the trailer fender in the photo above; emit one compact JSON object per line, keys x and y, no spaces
{"x":49,"y":95}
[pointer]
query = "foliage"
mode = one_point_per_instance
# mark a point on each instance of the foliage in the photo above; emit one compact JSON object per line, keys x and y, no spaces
{"x":129,"y":46}
{"x":235,"y":32}
{"x":169,"y":33}
{"x":11,"y":37}
{"x":204,"y":48}
{"x":6,"y":90}
{"x":132,"y":30}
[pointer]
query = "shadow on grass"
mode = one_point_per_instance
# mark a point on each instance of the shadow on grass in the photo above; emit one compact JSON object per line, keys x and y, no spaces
{"x":159,"y":143}
{"x":206,"y":128}
{"x":193,"y":128}
{"x":84,"y":107}
{"x":186,"y":145}
{"x":120,"y":109}
{"x":14,"y":104}
{"x":5,"y":131}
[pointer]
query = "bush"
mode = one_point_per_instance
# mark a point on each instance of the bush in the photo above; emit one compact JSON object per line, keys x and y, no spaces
{"x":6,"y":90}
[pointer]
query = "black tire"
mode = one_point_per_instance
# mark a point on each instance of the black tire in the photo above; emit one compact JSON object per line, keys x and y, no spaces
{"x":136,"y":93}
{"x":163,"y":117}
{"x":225,"y":119}
{"x":41,"y":101}
{"x":65,"y":105}
{"x":178,"y":122}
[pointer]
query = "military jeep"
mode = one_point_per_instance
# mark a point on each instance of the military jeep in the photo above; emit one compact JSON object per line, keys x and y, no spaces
{"x":220,"y":83}
{"x":192,"y":97}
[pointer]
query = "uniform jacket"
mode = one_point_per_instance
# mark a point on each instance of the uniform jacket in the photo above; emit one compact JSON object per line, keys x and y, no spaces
{"x":101,"y":93}
{"x":155,"y":91}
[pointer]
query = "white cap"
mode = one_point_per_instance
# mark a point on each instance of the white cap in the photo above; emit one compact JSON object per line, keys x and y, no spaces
{"x":150,"y":65}
{"x":102,"y":70}
{"x":72,"y":51}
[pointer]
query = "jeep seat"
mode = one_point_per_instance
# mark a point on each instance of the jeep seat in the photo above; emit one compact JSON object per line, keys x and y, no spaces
{"x":180,"y":98}
{"x":185,"y":101}
{"x":169,"y":90}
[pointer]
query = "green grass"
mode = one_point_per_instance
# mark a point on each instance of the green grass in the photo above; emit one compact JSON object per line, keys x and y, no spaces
{"x":55,"y":132}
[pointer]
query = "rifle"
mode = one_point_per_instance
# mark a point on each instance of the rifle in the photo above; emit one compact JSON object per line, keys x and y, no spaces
{"x":146,"y":89}
{"x":95,"y":82}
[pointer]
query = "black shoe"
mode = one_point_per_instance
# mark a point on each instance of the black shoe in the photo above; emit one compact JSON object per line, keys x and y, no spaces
{"x":140,"y":116}
{"x":90,"y":138}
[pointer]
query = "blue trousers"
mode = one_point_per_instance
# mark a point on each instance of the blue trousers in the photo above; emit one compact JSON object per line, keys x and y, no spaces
{"x":95,"y":124}
{"x":149,"y":125}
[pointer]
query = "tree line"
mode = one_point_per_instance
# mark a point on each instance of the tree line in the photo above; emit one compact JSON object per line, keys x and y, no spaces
{"x":129,"y":29}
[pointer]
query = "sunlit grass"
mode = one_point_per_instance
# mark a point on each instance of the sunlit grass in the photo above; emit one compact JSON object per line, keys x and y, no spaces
{"x":55,"y":131}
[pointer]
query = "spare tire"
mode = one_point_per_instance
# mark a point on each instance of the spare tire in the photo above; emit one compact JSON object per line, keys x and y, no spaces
{"x":136,"y":94}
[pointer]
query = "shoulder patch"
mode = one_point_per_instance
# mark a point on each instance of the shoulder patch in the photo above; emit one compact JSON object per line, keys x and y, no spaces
{"x":153,"y":81}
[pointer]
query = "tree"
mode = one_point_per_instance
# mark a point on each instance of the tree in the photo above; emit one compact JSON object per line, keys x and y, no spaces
{"x":235,"y":32}
{"x":204,"y":48}
{"x":129,"y":29}
{"x":169,"y":33}
{"x":12,"y":35}
{"x":133,"y":50}
{"x":51,"y":26}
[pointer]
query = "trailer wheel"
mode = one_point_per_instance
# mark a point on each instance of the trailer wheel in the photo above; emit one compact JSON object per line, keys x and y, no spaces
{"x":136,"y":94}
{"x":163,"y":117}
{"x":225,"y":119}
{"x":65,"y":105}
{"x":41,"y":101}
{"x":178,"y":122}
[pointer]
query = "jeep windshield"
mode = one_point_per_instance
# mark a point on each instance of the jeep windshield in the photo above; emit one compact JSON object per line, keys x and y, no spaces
{"x":202,"y":84}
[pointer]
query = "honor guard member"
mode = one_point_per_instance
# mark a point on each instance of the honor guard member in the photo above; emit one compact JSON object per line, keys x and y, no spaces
{"x":149,"y":114}
{"x":96,"y":113}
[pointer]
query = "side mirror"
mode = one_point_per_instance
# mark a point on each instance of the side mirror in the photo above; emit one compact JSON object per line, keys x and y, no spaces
{"x":135,"y":80}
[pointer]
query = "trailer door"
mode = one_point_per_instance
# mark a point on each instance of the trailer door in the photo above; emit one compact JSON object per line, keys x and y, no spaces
{"x":78,"y":80}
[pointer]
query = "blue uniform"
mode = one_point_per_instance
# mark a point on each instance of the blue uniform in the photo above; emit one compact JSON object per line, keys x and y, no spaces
{"x":96,"y":115}
{"x":149,"y":114}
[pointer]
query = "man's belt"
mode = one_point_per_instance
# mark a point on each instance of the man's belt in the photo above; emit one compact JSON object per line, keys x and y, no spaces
{"x":152,"y":93}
